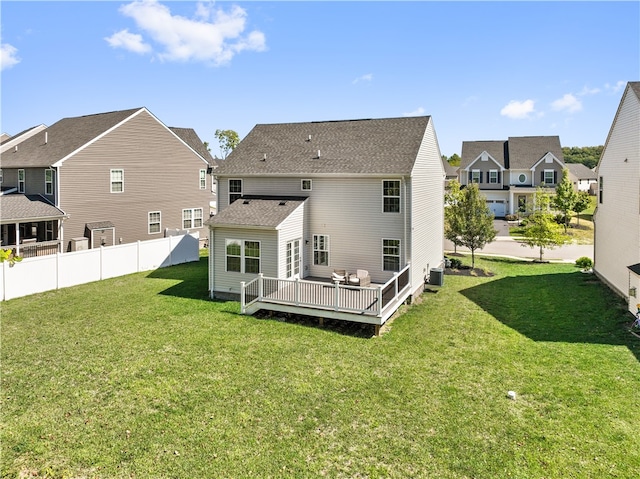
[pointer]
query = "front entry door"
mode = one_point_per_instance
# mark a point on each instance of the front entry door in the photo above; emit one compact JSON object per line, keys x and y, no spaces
{"x":293,"y":259}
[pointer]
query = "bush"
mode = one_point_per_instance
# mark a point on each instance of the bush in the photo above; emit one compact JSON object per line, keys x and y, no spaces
{"x":584,"y":262}
{"x":511,"y":217}
{"x":455,"y":263}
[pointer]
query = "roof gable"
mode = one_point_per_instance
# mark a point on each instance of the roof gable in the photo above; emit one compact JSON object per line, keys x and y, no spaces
{"x":257,"y":212}
{"x":525,"y":152}
{"x":472,"y":151}
{"x":374,"y":146}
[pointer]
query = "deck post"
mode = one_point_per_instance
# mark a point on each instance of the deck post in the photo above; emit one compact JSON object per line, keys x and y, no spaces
{"x":243,"y":308}
{"x":336,"y":297}
{"x":321,"y":321}
{"x":377,"y":330}
{"x":297,"y":292}
{"x":260,"y":286}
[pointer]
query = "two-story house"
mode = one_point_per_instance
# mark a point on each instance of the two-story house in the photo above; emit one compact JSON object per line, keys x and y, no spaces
{"x":300,"y":200}
{"x":102,"y":179}
{"x":509,"y":172}
{"x":617,"y":215}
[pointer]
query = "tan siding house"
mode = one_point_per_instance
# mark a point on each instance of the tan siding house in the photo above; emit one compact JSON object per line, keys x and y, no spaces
{"x":119,"y":177}
{"x":509,"y":172}
{"x":617,"y":215}
{"x":371,"y":194}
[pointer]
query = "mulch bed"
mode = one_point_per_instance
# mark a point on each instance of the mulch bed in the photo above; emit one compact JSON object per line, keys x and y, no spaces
{"x":479,"y":272}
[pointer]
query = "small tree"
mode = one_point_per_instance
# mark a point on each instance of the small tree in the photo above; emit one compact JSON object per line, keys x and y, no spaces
{"x":542,"y":231}
{"x":10,"y":256}
{"x":475,"y":220}
{"x":565,"y":198}
{"x":451,"y":222}
{"x":228,"y":140}
{"x":583,"y":201}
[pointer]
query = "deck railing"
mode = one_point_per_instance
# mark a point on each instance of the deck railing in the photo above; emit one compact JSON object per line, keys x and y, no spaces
{"x":42,"y":248}
{"x":370,"y":300}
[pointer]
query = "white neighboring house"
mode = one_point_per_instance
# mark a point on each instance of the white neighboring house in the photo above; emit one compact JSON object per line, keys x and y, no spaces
{"x":300,"y":200}
{"x":509,"y":173}
{"x":582,"y":178}
{"x":617,"y":215}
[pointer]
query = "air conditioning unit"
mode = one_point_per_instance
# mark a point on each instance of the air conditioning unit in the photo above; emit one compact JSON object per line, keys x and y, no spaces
{"x":79,"y":244}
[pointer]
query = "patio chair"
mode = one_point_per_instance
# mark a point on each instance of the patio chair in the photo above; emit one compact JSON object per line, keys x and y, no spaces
{"x":361,"y":278}
{"x":339,"y":275}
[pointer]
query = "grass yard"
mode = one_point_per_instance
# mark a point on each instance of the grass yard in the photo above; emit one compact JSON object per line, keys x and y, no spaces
{"x":141,"y":376}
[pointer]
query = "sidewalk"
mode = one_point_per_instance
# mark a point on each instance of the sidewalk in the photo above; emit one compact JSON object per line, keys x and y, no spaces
{"x":505,"y":245}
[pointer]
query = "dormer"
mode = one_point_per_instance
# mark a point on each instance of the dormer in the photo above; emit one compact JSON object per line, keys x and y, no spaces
{"x":547,"y":170}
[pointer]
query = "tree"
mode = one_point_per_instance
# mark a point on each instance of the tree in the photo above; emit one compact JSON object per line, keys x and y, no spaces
{"x":587,"y":155}
{"x":475,"y":220}
{"x":583,"y":201}
{"x":228,"y":140}
{"x":9,"y":256}
{"x":206,"y":145}
{"x":541,"y":230}
{"x":454,"y":160}
{"x":565,"y":198}
{"x":451,"y":223}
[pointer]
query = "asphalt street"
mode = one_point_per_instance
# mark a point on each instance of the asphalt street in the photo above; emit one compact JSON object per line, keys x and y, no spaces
{"x":505,"y":245}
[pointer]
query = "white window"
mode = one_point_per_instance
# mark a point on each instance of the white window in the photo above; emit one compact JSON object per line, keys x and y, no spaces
{"x":476,"y":176}
{"x":242,"y":256}
{"x":117,"y":181}
{"x":493,"y":176}
{"x":522,"y":178}
{"x":192,"y":218}
{"x":293,"y":258}
{"x":600,"y":190}
{"x":549,"y":177}
{"x":235,"y":190}
{"x":391,"y":255}
{"x":48,"y":182}
{"x":306,"y":185}
{"x":203,"y":179}
{"x":321,"y":250}
{"x":154,"y":222}
{"x":391,"y":196}
{"x":21,"y":181}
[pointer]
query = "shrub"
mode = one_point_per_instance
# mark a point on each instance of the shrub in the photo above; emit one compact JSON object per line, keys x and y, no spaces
{"x":456,"y":263}
{"x":584,"y":262}
{"x":511,"y":217}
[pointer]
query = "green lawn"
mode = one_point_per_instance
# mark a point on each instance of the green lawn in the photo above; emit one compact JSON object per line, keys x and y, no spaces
{"x":142,"y":376}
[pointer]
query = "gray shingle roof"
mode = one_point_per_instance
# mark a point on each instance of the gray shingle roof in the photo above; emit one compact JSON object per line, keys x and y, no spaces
{"x":635,"y":86}
{"x":472,"y":149}
{"x":449,"y":171}
{"x":191,"y":138}
{"x":21,"y":207}
{"x":374,"y":146}
{"x":580,"y":171}
{"x":526,"y":151}
{"x":518,"y":152}
{"x":63,"y":138}
{"x":257,"y":211}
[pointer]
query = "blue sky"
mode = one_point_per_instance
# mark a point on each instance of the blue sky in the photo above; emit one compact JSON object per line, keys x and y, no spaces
{"x":482,"y":70}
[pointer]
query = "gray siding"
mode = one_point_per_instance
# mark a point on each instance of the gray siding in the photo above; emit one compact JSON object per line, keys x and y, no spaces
{"x":160,"y":174}
{"x":229,"y":282}
{"x":617,"y":218}
{"x":427,"y":216}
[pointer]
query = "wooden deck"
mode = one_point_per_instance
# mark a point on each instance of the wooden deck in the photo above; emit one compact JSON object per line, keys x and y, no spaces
{"x":372,"y":304}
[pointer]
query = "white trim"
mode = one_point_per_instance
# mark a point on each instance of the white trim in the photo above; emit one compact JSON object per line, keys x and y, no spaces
{"x":202,"y":175}
{"x":242,"y":256}
{"x":399,"y":255}
{"x":111,"y":181}
{"x":192,"y":218}
{"x":229,"y":193}
{"x":327,"y":249}
{"x":149,"y":223}
{"x":302,"y":188}
{"x":488,"y":157}
{"x":547,"y":155}
{"x":399,"y":196}
{"x":50,"y":182}
{"x":24,"y":180}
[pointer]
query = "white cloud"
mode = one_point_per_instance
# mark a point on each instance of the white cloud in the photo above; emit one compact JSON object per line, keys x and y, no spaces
{"x":367,"y":77}
{"x":129,"y":41}
{"x":417,"y":112}
{"x":617,"y":87}
{"x":588,"y":91}
{"x":567,"y":103}
{"x":518,"y":109}
{"x":213,"y":36}
{"x":8,"y":56}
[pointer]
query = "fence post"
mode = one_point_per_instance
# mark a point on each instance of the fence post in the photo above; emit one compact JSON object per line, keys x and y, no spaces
{"x":243,"y":308}
{"x":57,"y":270}
{"x":138,"y":257}
{"x":101,"y":262}
{"x":297,"y":292}
{"x":260,"y":286}
{"x":336,"y":297}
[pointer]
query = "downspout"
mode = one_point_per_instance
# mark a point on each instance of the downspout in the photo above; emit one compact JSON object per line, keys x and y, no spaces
{"x":404,"y":210}
{"x":212,"y":264}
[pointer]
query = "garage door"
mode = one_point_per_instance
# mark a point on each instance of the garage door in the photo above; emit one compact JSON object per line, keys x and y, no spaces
{"x":497,"y":207}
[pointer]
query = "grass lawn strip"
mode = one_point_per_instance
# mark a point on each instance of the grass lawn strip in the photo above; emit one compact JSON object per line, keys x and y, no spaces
{"x":143,"y":376}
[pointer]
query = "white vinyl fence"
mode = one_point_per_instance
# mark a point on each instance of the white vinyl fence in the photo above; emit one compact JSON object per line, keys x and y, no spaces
{"x":46,"y":273}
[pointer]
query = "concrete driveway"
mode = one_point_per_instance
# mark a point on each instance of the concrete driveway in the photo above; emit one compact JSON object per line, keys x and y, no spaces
{"x":505,"y":245}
